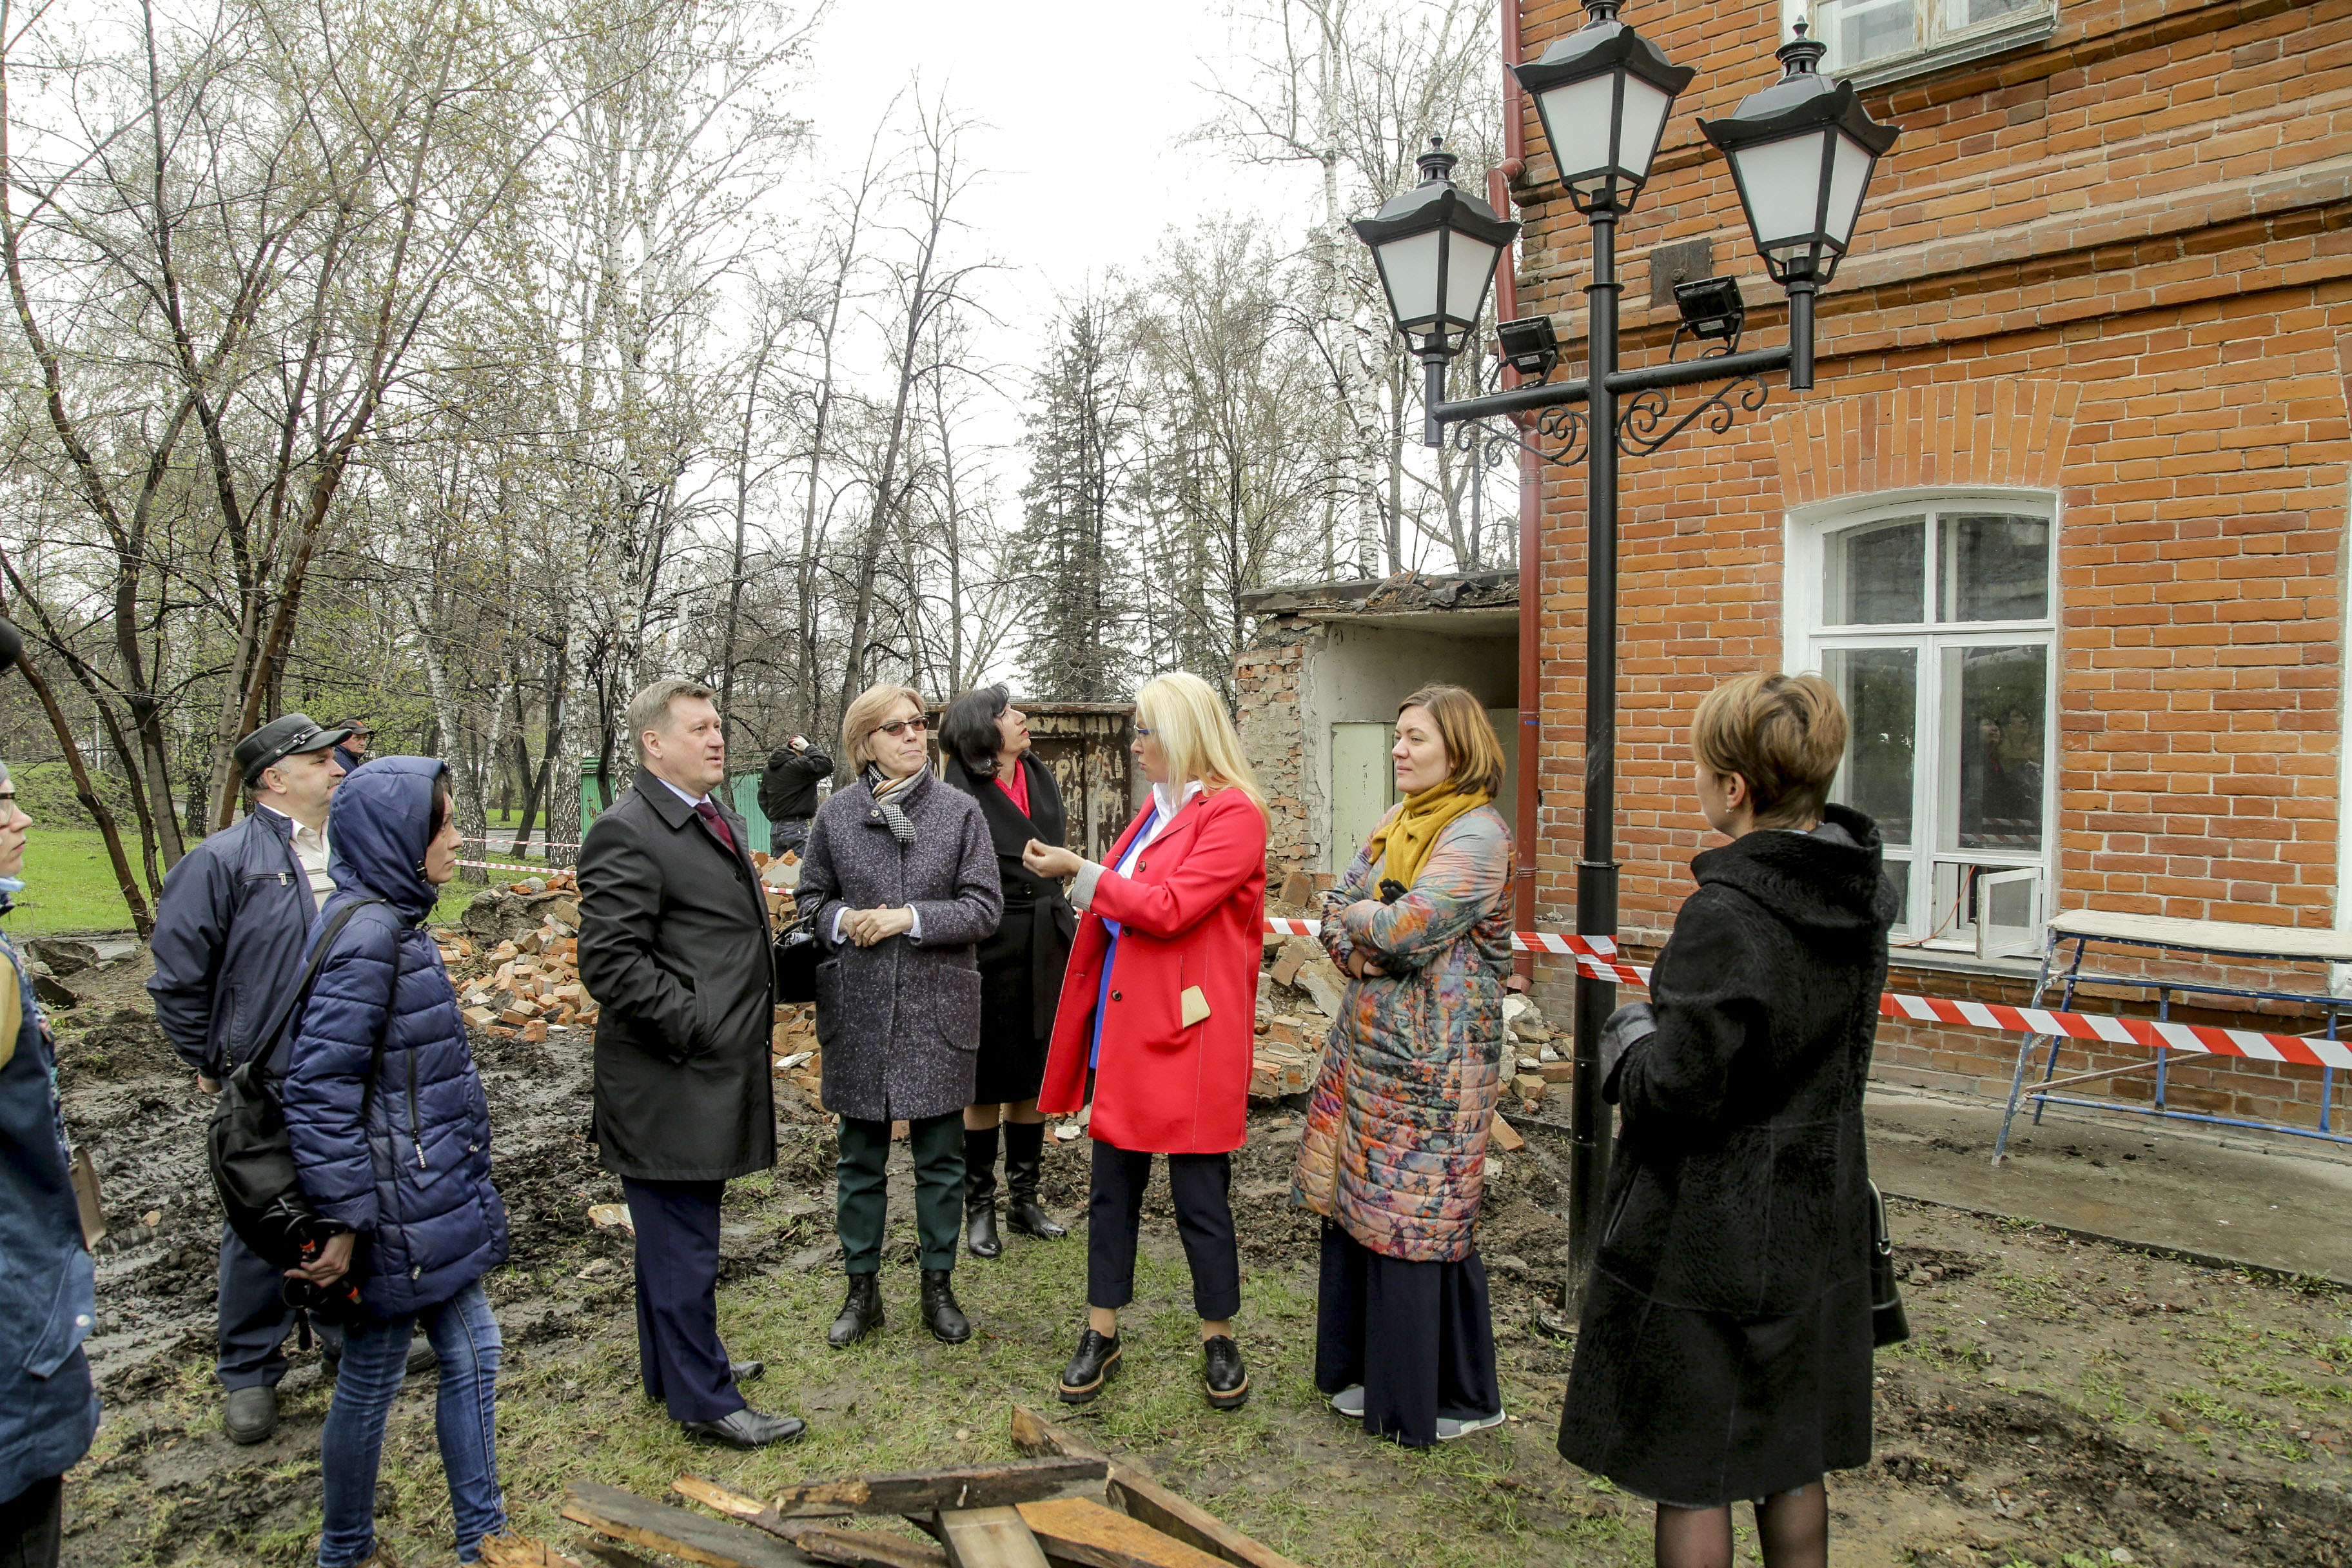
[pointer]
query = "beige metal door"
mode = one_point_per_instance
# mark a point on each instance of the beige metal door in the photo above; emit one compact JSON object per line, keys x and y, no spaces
{"x":1363,"y":787}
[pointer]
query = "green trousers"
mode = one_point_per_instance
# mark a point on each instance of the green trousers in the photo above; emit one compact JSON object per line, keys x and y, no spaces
{"x":863,"y":1204}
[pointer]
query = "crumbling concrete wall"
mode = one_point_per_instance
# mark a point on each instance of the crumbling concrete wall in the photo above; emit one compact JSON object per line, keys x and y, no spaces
{"x":1270,"y":689}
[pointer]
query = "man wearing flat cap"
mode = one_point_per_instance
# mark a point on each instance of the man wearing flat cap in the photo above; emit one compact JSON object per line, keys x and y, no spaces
{"x":230,"y":930}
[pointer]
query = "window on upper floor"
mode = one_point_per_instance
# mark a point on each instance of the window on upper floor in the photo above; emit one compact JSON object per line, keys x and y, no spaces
{"x":1876,"y":40}
{"x":1936,"y":621}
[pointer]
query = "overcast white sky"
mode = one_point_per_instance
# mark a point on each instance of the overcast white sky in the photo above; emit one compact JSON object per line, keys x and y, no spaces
{"x":1084,"y":106}
{"x":1085,"y":103}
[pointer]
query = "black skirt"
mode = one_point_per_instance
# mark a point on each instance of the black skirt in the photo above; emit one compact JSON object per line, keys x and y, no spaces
{"x":1419,"y":1336}
{"x":1020,"y":965}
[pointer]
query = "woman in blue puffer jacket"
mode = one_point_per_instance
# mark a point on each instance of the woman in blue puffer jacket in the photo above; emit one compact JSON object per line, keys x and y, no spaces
{"x":404,"y":1162}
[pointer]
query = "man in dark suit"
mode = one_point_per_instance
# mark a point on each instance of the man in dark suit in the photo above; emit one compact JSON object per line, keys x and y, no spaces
{"x":674,"y":948}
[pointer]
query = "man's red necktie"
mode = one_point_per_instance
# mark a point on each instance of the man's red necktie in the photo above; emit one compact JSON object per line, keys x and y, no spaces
{"x":717,"y":824}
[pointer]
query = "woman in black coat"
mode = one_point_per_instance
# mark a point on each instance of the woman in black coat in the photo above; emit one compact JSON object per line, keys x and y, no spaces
{"x":985,"y":741}
{"x":1725,"y":1346}
{"x":900,"y":879}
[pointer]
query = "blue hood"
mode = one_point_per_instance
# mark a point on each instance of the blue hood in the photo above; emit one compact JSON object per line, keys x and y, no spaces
{"x":377,"y":826}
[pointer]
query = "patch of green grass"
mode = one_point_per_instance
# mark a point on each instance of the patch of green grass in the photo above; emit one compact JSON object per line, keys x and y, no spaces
{"x":69,"y":883}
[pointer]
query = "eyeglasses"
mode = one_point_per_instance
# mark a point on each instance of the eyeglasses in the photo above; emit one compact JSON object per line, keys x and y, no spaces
{"x":1141,"y":732}
{"x":900,"y":726}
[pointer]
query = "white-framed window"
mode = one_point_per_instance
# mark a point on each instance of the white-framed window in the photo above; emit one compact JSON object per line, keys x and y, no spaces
{"x":1876,"y":40}
{"x":1936,"y":616}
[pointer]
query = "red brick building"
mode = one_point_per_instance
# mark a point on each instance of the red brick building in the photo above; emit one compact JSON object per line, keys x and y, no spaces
{"x":2064,"y":514}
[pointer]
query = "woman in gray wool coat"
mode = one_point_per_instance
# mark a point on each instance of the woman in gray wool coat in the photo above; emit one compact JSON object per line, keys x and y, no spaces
{"x":902,"y":878}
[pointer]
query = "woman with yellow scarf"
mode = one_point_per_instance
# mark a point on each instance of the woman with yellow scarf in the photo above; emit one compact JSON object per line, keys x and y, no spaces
{"x":1396,"y":1130}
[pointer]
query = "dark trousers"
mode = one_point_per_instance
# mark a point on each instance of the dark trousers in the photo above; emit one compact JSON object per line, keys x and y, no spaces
{"x":1418,"y":1336}
{"x":862,"y":1202}
{"x":1205,"y":1219}
{"x":255,"y":1319}
{"x":32,"y":1525}
{"x":678,"y":1352}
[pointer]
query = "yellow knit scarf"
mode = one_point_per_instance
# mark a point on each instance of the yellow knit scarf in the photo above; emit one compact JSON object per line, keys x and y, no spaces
{"x":1404,"y":841}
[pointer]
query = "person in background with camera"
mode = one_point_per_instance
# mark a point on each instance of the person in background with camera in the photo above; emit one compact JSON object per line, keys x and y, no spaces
{"x":788,"y":788}
{"x":48,"y":1301}
{"x":674,"y":947}
{"x":985,"y":741}
{"x":230,"y":929}
{"x":1395,"y":1151}
{"x":1725,"y":1352}
{"x":1158,"y":1020}
{"x":391,"y":1136}
{"x":901,"y":883}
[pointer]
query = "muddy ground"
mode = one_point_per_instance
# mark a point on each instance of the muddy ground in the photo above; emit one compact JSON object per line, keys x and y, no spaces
{"x":2060,"y":1403}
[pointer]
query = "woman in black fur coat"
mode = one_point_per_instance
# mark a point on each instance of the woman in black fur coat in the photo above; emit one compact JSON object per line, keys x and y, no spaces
{"x":1725,"y":1346}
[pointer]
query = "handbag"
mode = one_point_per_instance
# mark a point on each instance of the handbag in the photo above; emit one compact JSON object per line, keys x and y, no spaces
{"x":1888,"y":1326}
{"x":251,"y":1155}
{"x":795,"y":953}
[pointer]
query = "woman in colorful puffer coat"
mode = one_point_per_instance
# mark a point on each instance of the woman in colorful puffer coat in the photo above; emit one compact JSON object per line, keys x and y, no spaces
{"x":403,"y":1161}
{"x":1396,"y":1131}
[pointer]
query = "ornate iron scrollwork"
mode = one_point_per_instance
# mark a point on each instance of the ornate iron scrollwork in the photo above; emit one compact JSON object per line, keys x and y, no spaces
{"x":1563,"y":430}
{"x":1639,"y":431}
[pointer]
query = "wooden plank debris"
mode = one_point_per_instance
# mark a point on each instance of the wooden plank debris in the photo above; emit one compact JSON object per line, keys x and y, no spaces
{"x":1072,"y":1530}
{"x":924,"y":1491}
{"x":988,"y":1538}
{"x":624,"y":1516}
{"x":523,"y":1552}
{"x":826,"y":1542}
{"x":1133,"y":1489}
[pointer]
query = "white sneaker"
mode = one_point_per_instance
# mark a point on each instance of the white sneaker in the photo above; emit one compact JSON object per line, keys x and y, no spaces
{"x":1349,"y":1402}
{"x":1448,"y":1429}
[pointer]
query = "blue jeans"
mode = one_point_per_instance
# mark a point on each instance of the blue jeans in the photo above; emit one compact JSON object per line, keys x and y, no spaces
{"x":375,"y":1357}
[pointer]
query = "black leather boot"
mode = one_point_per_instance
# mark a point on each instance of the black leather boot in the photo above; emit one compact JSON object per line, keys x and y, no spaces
{"x":1024,"y":1161}
{"x":980,"y":1193}
{"x":940,"y":1314}
{"x":861,"y":1312}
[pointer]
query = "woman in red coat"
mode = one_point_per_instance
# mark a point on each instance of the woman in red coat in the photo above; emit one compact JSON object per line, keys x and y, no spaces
{"x":1159,"y":1006}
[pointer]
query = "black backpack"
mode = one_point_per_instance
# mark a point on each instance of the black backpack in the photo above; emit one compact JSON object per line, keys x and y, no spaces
{"x":252,"y":1157}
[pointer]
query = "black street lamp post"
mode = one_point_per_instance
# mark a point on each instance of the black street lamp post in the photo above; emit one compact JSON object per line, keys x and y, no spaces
{"x":1802,"y":153}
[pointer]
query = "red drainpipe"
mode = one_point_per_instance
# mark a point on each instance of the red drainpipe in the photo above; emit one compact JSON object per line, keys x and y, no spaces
{"x":1506,"y":306}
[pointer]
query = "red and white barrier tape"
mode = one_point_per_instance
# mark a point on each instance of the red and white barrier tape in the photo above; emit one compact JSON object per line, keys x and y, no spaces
{"x":1595,"y":956}
{"x":2194,"y":1038}
{"x":508,"y":866}
{"x":1521,"y":940}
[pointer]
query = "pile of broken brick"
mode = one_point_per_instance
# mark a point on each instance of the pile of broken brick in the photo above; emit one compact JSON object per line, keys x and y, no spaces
{"x":515,"y":958}
{"x":1298,"y":996}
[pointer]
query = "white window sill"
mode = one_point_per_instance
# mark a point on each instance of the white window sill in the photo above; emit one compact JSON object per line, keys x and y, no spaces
{"x":2017,"y":33}
{"x":1934,"y":960}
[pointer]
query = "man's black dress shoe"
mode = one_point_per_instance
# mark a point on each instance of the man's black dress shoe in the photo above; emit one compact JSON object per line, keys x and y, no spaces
{"x":746,"y":1428}
{"x":1090,"y":1368}
{"x":1226,"y":1379}
{"x":940,"y":1314}
{"x":861,"y":1312}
